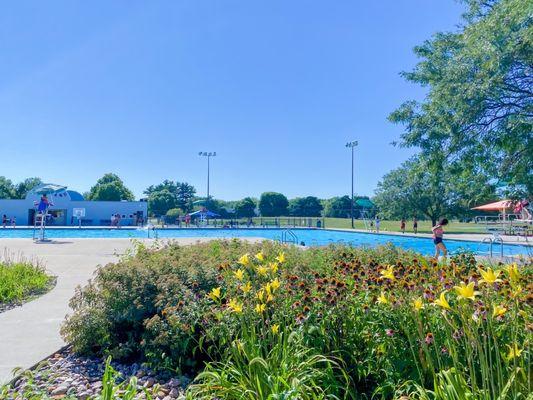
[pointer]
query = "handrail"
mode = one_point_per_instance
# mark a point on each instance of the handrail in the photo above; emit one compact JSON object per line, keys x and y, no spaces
{"x":493,"y":240}
{"x":288,"y":236}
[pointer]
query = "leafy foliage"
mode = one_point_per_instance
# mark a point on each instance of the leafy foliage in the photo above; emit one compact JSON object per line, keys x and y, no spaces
{"x":110,"y":188}
{"x":273,"y":204}
{"x":309,"y":206}
{"x":479,"y":107}
{"x":245,"y":208}
{"x":170,"y":194}
{"x":20,"y":280}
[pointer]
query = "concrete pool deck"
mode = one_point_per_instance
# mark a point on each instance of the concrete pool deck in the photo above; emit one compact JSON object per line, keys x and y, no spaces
{"x":30,"y":332}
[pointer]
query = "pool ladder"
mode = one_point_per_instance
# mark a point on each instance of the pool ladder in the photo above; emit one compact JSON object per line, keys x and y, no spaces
{"x":288,"y":236}
{"x":492,"y":241}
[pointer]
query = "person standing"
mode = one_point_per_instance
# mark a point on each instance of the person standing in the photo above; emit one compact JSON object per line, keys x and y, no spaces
{"x":415,"y":225}
{"x":378,"y":223}
{"x":187,"y":220}
{"x":14,"y":222}
{"x":4,"y":220}
{"x":402,"y":225}
{"x":438,"y":234}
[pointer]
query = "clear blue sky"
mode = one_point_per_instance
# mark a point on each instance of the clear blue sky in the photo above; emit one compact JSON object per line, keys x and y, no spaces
{"x":276,"y":87}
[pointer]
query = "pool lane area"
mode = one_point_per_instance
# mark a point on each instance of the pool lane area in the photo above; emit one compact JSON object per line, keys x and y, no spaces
{"x":310,"y":237}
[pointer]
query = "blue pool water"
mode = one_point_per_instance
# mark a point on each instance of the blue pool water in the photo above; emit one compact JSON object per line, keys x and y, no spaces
{"x":311,"y":237}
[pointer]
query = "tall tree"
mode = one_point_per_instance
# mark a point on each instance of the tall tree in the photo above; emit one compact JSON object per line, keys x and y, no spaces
{"x":110,"y":188}
{"x":309,"y":206}
{"x":273,"y":204}
{"x":479,"y":106}
{"x":245,"y":208}
{"x":431,"y":189}
{"x":182,"y":193}
{"x":337,"y":207}
{"x":7,"y":189}
{"x":22,"y":188}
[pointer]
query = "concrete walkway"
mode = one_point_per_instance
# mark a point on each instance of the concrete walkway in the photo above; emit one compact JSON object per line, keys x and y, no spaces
{"x":31,"y":332}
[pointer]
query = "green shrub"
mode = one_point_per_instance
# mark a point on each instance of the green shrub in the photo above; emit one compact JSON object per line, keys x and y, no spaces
{"x":21,"y":280}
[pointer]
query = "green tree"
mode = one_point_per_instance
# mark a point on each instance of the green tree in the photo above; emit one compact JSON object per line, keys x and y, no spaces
{"x":182,"y":192}
{"x":273,"y":204}
{"x":110,"y":188}
{"x":245,"y":208}
{"x":309,"y":206}
{"x":478,"y":109}
{"x":7,"y":189}
{"x":22,"y":188}
{"x":159,"y":202}
{"x":431,"y":189}
{"x":337,"y":207}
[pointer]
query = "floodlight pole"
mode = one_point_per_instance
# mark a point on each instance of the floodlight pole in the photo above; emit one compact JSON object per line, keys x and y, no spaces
{"x":352,"y":145}
{"x":208,"y":155}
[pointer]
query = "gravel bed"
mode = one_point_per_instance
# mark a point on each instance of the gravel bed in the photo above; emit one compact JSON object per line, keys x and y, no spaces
{"x":66,"y":375}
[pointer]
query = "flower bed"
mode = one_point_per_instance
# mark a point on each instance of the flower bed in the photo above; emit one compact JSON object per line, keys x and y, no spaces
{"x":265,"y":321}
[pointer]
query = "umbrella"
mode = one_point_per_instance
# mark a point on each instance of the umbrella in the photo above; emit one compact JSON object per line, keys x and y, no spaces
{"x":48,"y":188}
{"x":205,"y":213}
{"x":496,"y":206}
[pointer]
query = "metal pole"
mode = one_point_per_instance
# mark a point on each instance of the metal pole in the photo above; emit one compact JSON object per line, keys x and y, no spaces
{"x":351,"y":208}
{"x":208,"y":167}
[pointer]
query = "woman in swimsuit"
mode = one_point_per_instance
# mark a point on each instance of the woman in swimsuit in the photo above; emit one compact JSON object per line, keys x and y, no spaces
{"x":438,"y":233}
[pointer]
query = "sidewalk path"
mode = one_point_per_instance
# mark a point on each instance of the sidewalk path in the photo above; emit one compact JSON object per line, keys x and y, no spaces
{"x":31,"y":332}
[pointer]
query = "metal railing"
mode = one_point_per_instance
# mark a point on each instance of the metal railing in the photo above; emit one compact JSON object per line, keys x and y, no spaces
{"x":288,"y":236}
{"x":491,"y":241}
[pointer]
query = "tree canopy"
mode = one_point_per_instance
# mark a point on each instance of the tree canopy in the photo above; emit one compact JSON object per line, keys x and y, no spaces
{"x":426,"y":189}
{"x":309,"y":206}
{"x":478,"y":110}
{"x":245,"y":208}
{"x":110,"y":188}
{"x":273,"y":204}
{"x":9,"y":190}
{"x":169,"y":194}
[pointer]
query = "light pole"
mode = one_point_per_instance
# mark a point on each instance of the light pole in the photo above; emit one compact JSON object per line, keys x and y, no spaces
{"x":352,"y":145}
{"x":208,"y":155}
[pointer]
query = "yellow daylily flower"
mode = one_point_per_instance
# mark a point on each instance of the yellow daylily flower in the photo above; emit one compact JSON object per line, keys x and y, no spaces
{"x":281,"y":258}
{"x":275,"y":329}
{"x":275,"y":284}
{"x":442,"y":302}
{"x":512,"y":271}
{"x":274,"y":267}
{"x":489,"y":276}
{"x":214,"y":294}
{"x":235,"y":306}
{"x":268,"y":288}
{"x":382,"y":299}
{"x":465,"y":291}
{"x":418,"y":304}
{"x":260,"y":256}
{"x":388,"y":273}
{"x":499,"y":311}
{"x":260,"y":294}
{"x":239,"y":274}
{"x":260,"y":308}
{"x":262,"y":270}
{"x":269,"y":298}
{"x":516,"y":292}
{"x":514,"y":352}
{"x":247,"y":287}
{"x":244,"y":260}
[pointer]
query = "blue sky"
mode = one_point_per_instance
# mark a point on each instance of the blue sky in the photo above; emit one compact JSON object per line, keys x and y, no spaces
{"x":276,"y":87}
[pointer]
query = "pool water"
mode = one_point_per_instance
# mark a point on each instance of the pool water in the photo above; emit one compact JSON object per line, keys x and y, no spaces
{"x":311,"y":237}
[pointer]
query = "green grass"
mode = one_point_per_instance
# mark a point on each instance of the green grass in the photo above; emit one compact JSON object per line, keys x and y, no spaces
{"x":21,"y":280}
{"x":394,"y":226}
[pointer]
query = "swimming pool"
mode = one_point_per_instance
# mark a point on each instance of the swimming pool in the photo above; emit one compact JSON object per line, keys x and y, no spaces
{"x":311,"y":237}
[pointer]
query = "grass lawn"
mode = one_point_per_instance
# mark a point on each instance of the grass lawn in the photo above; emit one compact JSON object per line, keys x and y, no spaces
{"x":20,"y":281}
{"x":394,"y":226}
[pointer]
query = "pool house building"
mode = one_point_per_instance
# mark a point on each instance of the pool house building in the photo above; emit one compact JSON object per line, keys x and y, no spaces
{"x":69,"y":207}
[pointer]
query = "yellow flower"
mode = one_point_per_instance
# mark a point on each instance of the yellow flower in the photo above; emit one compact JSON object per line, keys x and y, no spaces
{"x":247,"y":287}
{"x":235,"y":306}
{"x":274,"y":267}
{"x":382,"y":299}
{"x":512,"y":271}
{"x":418,"y":304}
{"x":275,"y":284}
{"x":442,"y":302}
{"x":260,"y":294}
{"x":275,"y":329}
{"x":489,"y":276}
{"x":269,"y":298}
{"x":465,"y":291}
{"x":281,"y":258}
{"x":262,"y":270}
{"x":268,"y":288}
{"x":260,"y":308}
{"x":260,"y":256}
{"x":239,"y":274}
{"x":499,"y":311}
{"x":214,"y":294}
{"x":516,"y":292}
{"x":514,"y":352}
{"x":388,"y":273}
{"x":244,"y":260}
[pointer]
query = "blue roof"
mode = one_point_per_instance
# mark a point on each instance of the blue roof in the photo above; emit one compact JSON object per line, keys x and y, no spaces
{"x":75,"y":196}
